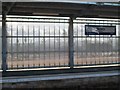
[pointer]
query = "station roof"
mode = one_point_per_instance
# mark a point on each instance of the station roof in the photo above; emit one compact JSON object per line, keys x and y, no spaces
{"x":77,"y":9}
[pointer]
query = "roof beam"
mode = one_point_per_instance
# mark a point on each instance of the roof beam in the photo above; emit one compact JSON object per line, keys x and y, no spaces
{"x":9,"y":7}
{"x":64,"y":11}
{"x":67,"y":6}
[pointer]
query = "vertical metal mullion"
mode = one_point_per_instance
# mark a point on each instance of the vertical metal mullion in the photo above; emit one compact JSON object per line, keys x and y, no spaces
{"x":4,"y":44}
{"x":86,"y":49}
{"x":90,"y":50}
{"x":95,"y":50}
{"x":118,"y":61}
{"x":105,"y":39}
{"x":108,"y":47}
{"x":54,"y":44}
{"x":82,"y":55}
{"x":70,"y":42}
{"x":44,"y":45}
{"x":49,"y":45}
{"x":25,"y":49}
{"x":118,"y":42}
{"x":99,"y":47}
{"x":59,"y":44}
{"x":103,"y":47}
{"x":33,"y":45}
{"x":12,"y":47}
{"x":108,"y":39}
{"x":112,"y":50}
{"x":77,"y":45}
{"x":83,"y":44}
{"x":39,"y":46}
{"x":64,"y":43}
{"x":17,"y":45}
{"x":22,"y":47}
{"x":28,"y":47}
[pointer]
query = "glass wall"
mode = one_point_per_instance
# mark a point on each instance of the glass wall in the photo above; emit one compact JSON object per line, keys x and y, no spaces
{"x":37,"y":42}
{"x":95,"y":49}
{"x":43,"y":42}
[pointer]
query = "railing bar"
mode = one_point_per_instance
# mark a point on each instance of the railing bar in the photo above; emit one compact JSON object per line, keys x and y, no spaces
{"x":49,"y":47}
{"x":36,"y":18}
{"x":22,"y":48}
{"x":44,"y":45}
{"x":52,"y":66}
{"x":61,"y":22}
{"x":36,"y":21}
{"x":28,"y":48}
{"x":108,"y":48}
{"x":39,"y":46}
{"x":98,"y":62}
{"x":17,"y":46}
{"x":95,"y":50}
{"x":11,"y":46}
{"x":77,"y":43}
{"x":64,"y":41}
{"x":112,"y":50}
{"x":59,"y":43}
{"x":94,"y":19}
{"x":54,"y":45}
{"x":103,"y":48}
{"x":87,"y":50}
{"x":33,"y":45}
{"x":62,"y":36}
{"x":55,"y":18}
{"x":37,"y":52}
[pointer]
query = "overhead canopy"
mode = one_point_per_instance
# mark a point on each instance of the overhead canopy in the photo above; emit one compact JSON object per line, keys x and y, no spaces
{"x":91,"y":10}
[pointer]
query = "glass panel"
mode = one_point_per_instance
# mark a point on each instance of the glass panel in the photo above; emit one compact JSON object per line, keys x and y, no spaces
{"x":37,"y":44}
{"x":95,"y":49}
{"x":35,"y":29}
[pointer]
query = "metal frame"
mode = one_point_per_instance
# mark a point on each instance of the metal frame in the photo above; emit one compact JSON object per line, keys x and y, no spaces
{"x":58,"y":71}
{"x":4,"y":43}
{"x":98,"y":22}
{"x":71,"y":47}
{"x":39,"y":37}
{"x":70,"y":38}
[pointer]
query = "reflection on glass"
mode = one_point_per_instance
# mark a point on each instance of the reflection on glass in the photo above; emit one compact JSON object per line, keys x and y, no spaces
{"x":46,"y":29}
{"x":95,"y":49}
{"x":46,"y":44}
{"x":37,"y":44}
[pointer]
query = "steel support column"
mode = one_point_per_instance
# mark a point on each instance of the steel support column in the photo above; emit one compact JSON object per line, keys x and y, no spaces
{"x":4,"y":43}
{"x":119,"y":44}
{"x":70,"y":42}
{"x":119,"y":49}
